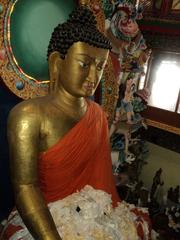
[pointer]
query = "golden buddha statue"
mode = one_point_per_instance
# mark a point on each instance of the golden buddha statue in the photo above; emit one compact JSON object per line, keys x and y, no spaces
{"x":59,"y":143}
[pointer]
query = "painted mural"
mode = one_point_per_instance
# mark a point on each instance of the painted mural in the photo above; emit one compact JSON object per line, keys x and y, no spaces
{"x":129,"y":54}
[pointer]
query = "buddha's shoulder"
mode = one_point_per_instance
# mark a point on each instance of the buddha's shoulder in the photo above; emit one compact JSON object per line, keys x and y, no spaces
{"x":30,"y":107}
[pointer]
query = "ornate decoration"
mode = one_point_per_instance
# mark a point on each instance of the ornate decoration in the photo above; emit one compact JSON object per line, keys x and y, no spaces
{"x":13,"y":76}
{"x":129,"y":48}
{"x":110,"y":87}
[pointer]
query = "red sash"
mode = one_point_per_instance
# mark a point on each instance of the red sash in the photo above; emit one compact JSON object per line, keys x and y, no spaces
{"x":81,"y":158}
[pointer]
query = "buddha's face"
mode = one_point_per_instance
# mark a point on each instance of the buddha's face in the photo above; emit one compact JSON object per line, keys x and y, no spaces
{"x":81,"y":70}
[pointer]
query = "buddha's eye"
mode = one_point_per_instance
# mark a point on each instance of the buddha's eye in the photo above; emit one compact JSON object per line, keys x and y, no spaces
{"x":83,"y":64}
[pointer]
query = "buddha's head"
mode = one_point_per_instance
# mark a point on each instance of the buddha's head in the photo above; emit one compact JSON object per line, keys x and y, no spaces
{"x":77,"y":54}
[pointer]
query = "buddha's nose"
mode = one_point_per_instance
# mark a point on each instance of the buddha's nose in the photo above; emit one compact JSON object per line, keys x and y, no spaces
{"x":92,"y":76}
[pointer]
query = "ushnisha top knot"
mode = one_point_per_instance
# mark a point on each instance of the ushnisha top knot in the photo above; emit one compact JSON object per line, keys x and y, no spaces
{"x":84,"y":16}
{"x":81,"y":26}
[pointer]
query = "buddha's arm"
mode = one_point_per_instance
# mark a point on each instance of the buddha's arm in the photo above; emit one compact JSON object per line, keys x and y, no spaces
{"x":23,"y":136}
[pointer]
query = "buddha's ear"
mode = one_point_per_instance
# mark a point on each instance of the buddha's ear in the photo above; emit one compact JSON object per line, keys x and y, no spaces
{"x":54,"y":60}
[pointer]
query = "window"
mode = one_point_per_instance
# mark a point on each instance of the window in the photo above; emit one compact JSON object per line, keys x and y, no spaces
{"x":143,"y":78}
{"x":165,"y":85}
{"x":163,"y":81}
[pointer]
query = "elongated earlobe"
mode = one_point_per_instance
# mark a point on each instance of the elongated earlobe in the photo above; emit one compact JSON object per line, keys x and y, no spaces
{"x":54,"y":69}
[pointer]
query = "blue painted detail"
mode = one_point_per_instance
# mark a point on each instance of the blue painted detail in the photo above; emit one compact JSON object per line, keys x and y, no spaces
{"x":20,"y":85}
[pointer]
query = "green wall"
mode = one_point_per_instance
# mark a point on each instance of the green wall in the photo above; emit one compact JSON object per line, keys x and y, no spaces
{"x":32,"y":23}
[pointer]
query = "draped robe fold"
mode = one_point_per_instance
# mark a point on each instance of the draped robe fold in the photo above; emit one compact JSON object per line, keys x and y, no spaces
{"x":81,"y":157}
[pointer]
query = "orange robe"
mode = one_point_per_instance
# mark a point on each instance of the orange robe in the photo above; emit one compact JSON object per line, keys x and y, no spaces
{"x":81,"y":158}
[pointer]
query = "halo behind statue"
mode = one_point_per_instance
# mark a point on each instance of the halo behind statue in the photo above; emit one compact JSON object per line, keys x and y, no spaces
{"x":25,"y":30}
{"x":27,"y":27}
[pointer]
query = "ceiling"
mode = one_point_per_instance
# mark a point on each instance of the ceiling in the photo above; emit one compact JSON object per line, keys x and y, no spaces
{"x":168,"y":10}
{"x":161,"y":23}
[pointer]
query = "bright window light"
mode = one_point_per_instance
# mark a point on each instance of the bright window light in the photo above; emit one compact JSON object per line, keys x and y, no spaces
{"x":166,"y":85}
{"x":142,"y":79}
